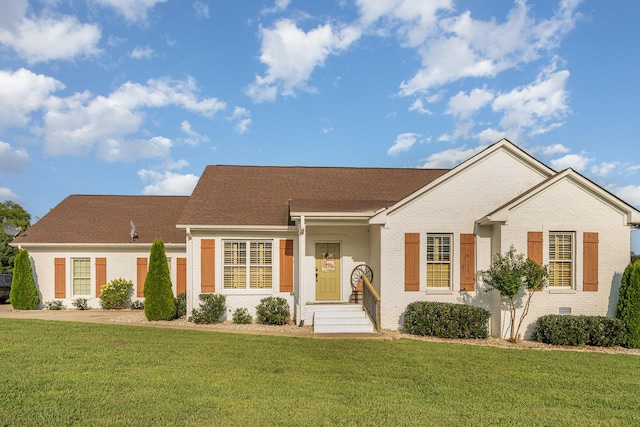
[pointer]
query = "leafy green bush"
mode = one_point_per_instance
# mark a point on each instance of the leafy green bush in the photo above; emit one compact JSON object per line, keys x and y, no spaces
{"x":23,"y":294}
{"x":137,"y":305}
{"x":53,"y":305}
{"x":159,"y":303}
{"x":115,"y":294}
{"x":181,"y":305}
{"x":242,"y":316}
{"x":212,"y":307}
{"x":446,"y":320}
{"x":273,"y":311}
{"x":628,"y":309}
{"x":579,"y":330}
{"x":80,"y":304}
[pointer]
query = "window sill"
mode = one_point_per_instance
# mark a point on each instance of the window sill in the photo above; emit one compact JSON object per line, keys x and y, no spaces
{"x":439,"y":292}
{"x":562,"y":291}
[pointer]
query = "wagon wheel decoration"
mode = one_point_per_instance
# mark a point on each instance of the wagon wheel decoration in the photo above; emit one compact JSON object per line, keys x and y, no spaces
{"x":358,"y":272}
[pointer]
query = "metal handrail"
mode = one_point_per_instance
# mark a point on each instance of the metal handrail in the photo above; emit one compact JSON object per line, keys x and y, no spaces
{"x":371,"y":302}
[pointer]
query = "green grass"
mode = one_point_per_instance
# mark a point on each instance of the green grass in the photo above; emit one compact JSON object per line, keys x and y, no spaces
{"x":58,"y":373}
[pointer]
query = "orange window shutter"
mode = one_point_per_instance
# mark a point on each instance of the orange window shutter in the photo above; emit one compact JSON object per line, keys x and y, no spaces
{"x":141,"y":276}
{"x":101,"y":274}
{"x":286,"y":265}
{"x":590,"y":264}
{"x":207,"y":265}
{"x":534,"y":246}
{"x":467,"y":262}
{"x":181,"y":285}
{"x":412,"y":262}
{"x":60,"y":278}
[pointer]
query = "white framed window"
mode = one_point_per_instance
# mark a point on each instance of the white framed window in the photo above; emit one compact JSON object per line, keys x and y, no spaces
{"x":248,"y":264}
{"x":561,"y":258}
{"x":81,"y":276}
{"x":439,"y":260}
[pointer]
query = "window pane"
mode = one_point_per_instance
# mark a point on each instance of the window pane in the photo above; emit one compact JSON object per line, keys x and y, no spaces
{"x":81,"y":276}
{"x":235,"y":277}
{"x":438,"y":260}
{"x":560,"y":259}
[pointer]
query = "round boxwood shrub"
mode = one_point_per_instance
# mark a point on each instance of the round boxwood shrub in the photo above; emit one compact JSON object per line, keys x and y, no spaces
{"x":115,"y":295}
{"x":273,"y":311}
{"x":242,"y":316}
{"x":446,"y":320}
{"x":212,"y":308}
{"x":181,"y":305}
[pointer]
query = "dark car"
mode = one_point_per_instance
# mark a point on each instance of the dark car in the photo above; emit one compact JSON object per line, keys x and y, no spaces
{"x":5,"y":287}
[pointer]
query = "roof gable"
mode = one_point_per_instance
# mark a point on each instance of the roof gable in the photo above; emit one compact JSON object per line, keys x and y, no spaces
{"x":265,"y":195}
{"x":91,"y":219}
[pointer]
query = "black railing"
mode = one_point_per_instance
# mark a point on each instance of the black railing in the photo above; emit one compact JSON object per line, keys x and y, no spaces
{"x":371,"y":302}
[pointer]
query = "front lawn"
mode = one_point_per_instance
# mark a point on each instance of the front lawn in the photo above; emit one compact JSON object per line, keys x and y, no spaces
{"x":58,"y":373}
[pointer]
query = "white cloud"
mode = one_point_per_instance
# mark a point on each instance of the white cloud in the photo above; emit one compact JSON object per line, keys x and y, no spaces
{"x":7,"y":194}
{"x":451,"y":157}
{"x":576,"y":162}
{"x":75,"y":124}
{"x":12,"y":160}
{"x":130,"y":150}
{"x":463,"y":106}
{"x":21,"y":93}
{"x":242,"y":117}
{"x":279,"y":6}
{"x":194,"y":138}
{"x":403,"y":142}
{"x":46,"y":38}
{"x":201,"y":9}
{"x":554,"y":149}
{"x":131,"y":10}
{"x":291,"y":55}
{"x":141,"y":53}
{"x":604,"y":168}
{"x":418,"y":107}
{"x":167,"y":183}
{"x":629,"y":193}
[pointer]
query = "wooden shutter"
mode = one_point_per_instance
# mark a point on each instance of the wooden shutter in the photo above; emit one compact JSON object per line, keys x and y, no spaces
{"x":181,"y":275}
{"x":534,"y":246}
{"x":590,"y":264}
{"x":207,"y":265}
{"x":412,"y":262}
{"x":101,"y":274}
{"x":60,"y":278}
{"x":467,"y":262}
{"x":286,"y":265}
{"x":141,"y":276}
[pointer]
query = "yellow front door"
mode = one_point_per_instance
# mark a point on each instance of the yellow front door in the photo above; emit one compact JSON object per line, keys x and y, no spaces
{"x":327,"y":271}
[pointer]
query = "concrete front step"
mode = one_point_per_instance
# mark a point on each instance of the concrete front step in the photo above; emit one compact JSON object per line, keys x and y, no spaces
{"x":341,"y":319}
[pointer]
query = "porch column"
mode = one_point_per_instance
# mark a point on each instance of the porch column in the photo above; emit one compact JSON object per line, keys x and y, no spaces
{"x":302,"y":244}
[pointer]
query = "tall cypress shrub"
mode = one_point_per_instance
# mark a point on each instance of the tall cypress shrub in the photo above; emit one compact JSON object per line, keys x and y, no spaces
{"x":24,"y":294}
{"x":628,"y":308}
{"x":159,"y":303}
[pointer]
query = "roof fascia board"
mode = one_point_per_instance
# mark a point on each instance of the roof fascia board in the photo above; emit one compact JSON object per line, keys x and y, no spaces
{"x":195,"y":228}
{"x":97,"y":246}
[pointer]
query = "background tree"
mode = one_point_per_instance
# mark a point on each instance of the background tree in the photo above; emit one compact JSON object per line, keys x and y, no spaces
{"x":509,"y":274}
{"x":24,"y":294}
{"x":159,"y":303}
{"x":11,"y":213}
{"x":634,"y":256}
{"x":628,"y":308}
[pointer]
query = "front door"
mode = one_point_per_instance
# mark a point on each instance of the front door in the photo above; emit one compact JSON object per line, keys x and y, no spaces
{"x":327,"y":271}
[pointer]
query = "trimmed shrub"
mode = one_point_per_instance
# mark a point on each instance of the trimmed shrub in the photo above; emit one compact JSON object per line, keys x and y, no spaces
{"x":80,"y":304}
{"x":273,"y":311}
{"x":212,"y":308}
{"x":23,"y":294}
{"x":115,"y":294}
{"x":159,"y":303}
{"x":628,"y":309}
{"x":181,"y":305}
{"x":446,"y":320}
{"x":137,"y":305}
{"x":53,"y":305}
{"x":579,"y":330}
{"x":241,"y":316}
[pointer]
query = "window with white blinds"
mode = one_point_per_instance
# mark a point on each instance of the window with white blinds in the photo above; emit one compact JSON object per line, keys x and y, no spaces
{"x":252,"y":270}
{"x":81,"y":279}
{"x":561,"y":258}
{"x":438,"y":260}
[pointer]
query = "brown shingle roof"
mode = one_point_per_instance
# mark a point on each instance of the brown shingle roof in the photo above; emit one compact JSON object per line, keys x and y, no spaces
{"x":260,"y":195}
{"x":105,"y":219}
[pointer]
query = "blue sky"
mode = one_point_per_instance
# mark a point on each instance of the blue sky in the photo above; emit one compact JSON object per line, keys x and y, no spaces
{"x":137,"y":96}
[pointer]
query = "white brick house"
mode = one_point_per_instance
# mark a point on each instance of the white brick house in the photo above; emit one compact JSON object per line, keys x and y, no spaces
{"x":298,"y":232}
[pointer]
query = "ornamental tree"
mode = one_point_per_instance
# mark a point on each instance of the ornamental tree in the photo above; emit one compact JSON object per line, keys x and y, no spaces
{"x":628,"y":308}
{"x":23,"y":294}
{"x":509,"y":275}
{"x":159,"y":303}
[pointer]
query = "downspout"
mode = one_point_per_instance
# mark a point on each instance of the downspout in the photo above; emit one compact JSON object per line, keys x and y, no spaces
{"x":301,"y":250}
{"x":190,"y":291}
